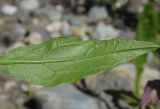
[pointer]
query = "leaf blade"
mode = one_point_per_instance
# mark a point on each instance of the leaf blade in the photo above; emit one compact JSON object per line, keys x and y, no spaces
{"x":70,"y":61}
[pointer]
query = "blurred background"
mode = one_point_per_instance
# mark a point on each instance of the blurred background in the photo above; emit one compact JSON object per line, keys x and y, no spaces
{"x":24,"y":22}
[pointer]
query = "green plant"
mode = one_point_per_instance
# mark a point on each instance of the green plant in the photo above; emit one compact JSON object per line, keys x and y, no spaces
{"x":67,"y":59}
{"x":146,"y":31}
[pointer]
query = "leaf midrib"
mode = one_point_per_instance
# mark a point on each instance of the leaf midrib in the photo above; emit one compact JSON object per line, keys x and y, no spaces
{"x":51,"y":61}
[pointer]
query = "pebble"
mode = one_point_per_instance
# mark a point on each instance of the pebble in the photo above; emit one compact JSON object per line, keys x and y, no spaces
{"x":19,"y":30}
{"x":128,"y":70}
{"x":24,"y":87}
{"x":10,"y":85}
{"x":108,"y":81}
{"x":127,"y":34}
{"x":80,"y":32}
{"x":120,"y":3}
{"x":41,"y":30}
{"x":102,"y":31}
{"x":54,"y":35}
{"x":97,"y":13}
{"x":113,"y":82}
{"x":35,"y":38}
{"x":9,"y":9}
{"x":55,"y":13}
{"x":29,"y":5}
{"x":66,"y":97}
{"x":66,"y":29}
{"x":75,"y":20}
{"x":18,"y":43}
{"x":54,"y":27}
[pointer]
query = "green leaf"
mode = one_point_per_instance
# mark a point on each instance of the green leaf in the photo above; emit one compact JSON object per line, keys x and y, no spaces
{"x":66,"y":59}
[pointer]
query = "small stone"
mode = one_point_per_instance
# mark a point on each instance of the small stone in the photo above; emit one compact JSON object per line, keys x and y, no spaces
{"x":9,"y":85}
{"x":128,"y":69}
{"x":66,"y":97}
{"x":29,"y":5}
{"x":18,"y":30}
{"x":80,"y":32}
{"x":114,"y":82}
{"x":54,"y":35}
{"x":9,"y":9}
{"x":55,"y":13}
{"x":127,"y":34}
{"x":103,"y":31}
{"x":35,"y":38}
{"x":120,"y":3}
{"x":41,"y":30}
{"x":66,"y":29}
{"x":75,"y":20}
{"x":18,"y":43}
{"x":54,"y":27}
{"x":91,"y":81}
{"x":24,"y":87}
{"x":97,"y":13}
